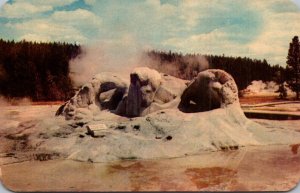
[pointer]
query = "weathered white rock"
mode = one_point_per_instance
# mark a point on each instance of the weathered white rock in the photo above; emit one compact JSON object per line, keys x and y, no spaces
{"x":144,"y":83}
{"x":165,"y":134}
{"x":167,"y":95}
{"x":161,"y":130}
{"x":150,"y":91}
{"x":211,"y":89}
{"x":104,"y":91}
{"x":170,"y":88}
{"x":96,"y":130}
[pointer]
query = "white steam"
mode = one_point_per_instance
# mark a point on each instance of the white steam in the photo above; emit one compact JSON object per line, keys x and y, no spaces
{"x":122,"y":56}
{"x":258,"y":87}
{"x":106,"y":56}
{"x":194,"y":65}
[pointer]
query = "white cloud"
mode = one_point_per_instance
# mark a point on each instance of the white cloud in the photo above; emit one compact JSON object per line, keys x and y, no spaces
{"x":90,"y":2}
{"x":22,"y":9}
{"x":279,"y":29}
{"x":45,"y":30}
{"x":53,"y":3}
{"x":297,"y":2}
{"x":36,"y":37}
{"x":190,"y":11}
{"x":214,"y":42}
{"x":162,"y":10}
{"x":60,"y":26}
{"x":28,"y":8}
{"x":180,"y":26}
{"x":77,"y":17}
{"x":272,"y":43}
{"x":2,"y":2}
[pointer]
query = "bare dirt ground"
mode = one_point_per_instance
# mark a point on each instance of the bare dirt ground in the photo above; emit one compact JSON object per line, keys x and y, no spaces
{"x":270,"y":107}
{"x":48,"y":103}
{"x":261,"y":99}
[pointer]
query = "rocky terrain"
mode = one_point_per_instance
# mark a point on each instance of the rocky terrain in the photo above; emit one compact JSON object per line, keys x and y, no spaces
{"x":149,"y":115}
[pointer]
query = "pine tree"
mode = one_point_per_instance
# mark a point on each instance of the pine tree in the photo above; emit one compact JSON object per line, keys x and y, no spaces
{"x":293,"y":66}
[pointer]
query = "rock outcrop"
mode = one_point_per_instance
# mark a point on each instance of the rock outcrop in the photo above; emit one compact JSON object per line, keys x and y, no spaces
{"x":150,"y":91}
{"x":147,"y":92}
{"x":211,"y":89}
{"x":103,"y":92}
{"x":159,"y":126}
{"x":144,"y":83}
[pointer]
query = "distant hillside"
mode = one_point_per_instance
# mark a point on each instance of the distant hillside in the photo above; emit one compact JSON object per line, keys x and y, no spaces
{"x":244,"y":70}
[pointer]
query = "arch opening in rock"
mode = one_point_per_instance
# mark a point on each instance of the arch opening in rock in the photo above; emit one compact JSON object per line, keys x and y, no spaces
{"x":211,"y":89}
{"x":148,"y":92}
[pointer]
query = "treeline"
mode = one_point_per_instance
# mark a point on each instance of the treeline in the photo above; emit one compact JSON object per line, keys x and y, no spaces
{"x":243,"y":70}
{"x":39,"y":71}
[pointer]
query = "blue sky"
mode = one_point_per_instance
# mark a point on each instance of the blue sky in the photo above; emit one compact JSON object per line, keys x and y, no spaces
{"x":252,"y":28}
